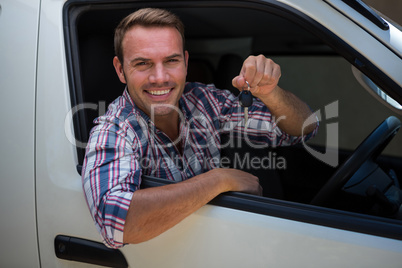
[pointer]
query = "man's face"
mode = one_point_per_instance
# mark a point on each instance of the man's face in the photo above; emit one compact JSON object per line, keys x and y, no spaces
{"x":155,"y":68}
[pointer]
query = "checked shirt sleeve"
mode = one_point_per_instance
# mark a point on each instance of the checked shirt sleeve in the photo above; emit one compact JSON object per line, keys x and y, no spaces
{"x":111,"y":173}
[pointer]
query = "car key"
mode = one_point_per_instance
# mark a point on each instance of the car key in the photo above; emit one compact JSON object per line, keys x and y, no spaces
{"x":246,"y":100}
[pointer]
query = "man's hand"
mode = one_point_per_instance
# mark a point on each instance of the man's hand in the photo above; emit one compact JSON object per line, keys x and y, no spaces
{"x":238,"y":181}
{"x":261,"y":73}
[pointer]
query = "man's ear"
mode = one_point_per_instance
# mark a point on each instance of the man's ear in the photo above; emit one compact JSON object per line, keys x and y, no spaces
{"x":186,"y":55}
{"x":119,"y":69}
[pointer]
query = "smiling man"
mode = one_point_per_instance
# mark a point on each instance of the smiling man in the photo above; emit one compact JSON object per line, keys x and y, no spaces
{"x":166,"y":127}
{"x":154,"y":67}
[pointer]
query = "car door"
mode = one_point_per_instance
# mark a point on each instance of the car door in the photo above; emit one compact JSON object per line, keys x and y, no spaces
{"x":235,"y":230}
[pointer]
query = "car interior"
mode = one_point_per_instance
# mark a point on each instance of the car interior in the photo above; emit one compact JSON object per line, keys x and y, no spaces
{"x":219,"y":38}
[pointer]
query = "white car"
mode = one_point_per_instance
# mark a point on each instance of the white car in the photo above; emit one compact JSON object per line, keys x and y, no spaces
{"x":327,"y":203}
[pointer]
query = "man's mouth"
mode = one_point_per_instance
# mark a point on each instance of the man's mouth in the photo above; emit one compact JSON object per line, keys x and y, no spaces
{"x":159,"y":92}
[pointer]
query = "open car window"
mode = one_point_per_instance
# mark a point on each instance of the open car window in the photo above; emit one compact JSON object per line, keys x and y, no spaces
{"x":316,"y":66}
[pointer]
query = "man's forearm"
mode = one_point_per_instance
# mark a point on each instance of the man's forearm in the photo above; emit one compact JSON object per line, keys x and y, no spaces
{"x":290,"y":112}
{"x":154,"y":210}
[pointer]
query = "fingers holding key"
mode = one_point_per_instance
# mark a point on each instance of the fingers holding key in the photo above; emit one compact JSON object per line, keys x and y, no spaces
{"x":261,"y":73}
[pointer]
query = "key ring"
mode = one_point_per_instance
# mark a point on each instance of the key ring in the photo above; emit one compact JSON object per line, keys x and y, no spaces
{"x":248,"y":85}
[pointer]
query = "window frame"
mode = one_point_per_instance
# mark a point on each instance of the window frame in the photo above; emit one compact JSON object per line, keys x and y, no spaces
{"x":372,"y":225}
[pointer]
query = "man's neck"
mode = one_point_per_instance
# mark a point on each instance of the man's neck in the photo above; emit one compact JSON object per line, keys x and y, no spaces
{"x":169,"y":125}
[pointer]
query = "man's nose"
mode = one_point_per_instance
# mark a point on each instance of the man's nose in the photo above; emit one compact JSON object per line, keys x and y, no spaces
{"x":159,"y":74}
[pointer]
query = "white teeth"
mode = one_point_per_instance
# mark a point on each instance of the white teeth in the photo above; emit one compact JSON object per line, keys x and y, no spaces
{"x":159,"y":92}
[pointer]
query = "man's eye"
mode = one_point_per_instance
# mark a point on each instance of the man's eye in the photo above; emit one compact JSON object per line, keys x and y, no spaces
{"x":172,"y":60}
{"x":143,"y":63}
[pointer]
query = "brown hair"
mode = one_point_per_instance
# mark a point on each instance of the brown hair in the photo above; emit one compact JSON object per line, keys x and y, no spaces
{"x":146,"y":17}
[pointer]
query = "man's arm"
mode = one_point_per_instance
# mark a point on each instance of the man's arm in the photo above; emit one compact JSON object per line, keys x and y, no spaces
{"x":263,"y":75}
{"x":293,"y":111}
{"x":154,"y":210}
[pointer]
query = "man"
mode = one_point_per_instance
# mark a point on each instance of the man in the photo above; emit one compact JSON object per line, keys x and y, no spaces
{"x":165,"y":127}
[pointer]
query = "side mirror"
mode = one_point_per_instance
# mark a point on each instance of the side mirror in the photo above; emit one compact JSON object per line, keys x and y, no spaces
{"x":376,"y":92}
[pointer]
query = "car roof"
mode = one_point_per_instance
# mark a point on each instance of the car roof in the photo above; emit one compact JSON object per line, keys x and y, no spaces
{"x":368,"y":19}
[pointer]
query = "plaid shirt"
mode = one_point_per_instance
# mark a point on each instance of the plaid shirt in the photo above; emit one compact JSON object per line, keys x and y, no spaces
{"x":125,"y":144}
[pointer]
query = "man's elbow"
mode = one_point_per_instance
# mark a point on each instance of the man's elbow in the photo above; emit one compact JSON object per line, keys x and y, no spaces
{"x":135,"y":238}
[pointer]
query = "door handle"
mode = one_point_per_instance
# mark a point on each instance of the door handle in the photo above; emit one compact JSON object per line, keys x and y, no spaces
{"x":87,"y":251}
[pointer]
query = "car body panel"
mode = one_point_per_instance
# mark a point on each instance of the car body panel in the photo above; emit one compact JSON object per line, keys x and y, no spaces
{"x":221,"y":237}
{"x":17,"y":93}
{"x":61,"y":207}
